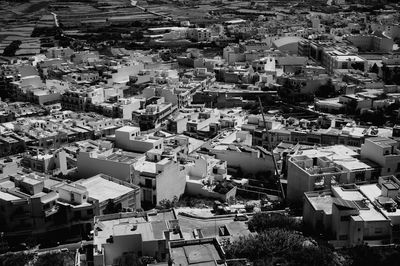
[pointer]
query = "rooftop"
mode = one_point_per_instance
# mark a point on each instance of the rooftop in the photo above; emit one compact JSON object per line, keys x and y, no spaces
{"x":383,"y":142}
{"x":321,"y":201}
{"x":196,"y":253}
{"x":7,"y":196}
{"x":373,"y":192}
{"x":122,"y":158}
{"x":367,"y":212}
{"x":287,"y":40}
{"x":128,"y":225}
{"x":102,"y":189}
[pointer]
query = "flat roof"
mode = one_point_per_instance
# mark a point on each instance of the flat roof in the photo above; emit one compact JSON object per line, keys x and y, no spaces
{"x":7,"y":196}
{"x":122,"y":158}
{"x":372,"y":192}
{"x":335,"y":151}
{"x":121,"y":226}
{"x":102,"y":189}
{"x":348,"y":194}
{"x":31,"y":181}
{"x":349,"y":58}
{"x":128,"y":129}
{"x":149,"y":231}
{"x":321,"y":202}
{"x":353,"y":164}
{"x":146,"y":166}
{"x":383,"y":142}
{"x":195,"y":254}
{"x":367,"y":212}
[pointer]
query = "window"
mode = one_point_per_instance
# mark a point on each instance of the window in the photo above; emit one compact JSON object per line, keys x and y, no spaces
{"x":388,"y":170}
{"x":345,"y":218}
{"x":148,"y":183}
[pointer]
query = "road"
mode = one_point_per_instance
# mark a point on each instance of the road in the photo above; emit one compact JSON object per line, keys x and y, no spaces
{"x":55,"y":19}
{"x":70,"y":247}
{"x":134,"y":4}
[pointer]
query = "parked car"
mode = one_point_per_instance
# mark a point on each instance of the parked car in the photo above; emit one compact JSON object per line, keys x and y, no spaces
{"x":241,"y":217}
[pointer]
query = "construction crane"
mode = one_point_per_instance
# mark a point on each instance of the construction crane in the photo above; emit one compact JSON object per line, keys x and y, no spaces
{"x":276,"y":172}
{"x":269,"y":142}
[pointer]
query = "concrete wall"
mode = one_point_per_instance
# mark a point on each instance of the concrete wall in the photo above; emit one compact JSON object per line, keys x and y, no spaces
{"x":171,"y":182}
{"x":197,"y":189}
{"x":122,"y":243}
{"x":126,"y":140}
{"x":88,"y":167}
{"x":298,"y":182}
{"x":389,"y":162}
{"x":129,"y":108}
{"x":247,"y":162}
{"x":124,"y":72}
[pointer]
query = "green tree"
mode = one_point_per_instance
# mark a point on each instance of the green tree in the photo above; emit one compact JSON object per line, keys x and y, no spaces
{"x":16,"y":259}
{"x":112,"y":207}
{"x":358,"y":66}
{"x":265,"y":221}
{"x":12,"y":48}
{"x":58,"y":259}
{"x":375,"y":69}
{"x":279,"y":246}
{"x":371,"y":256}
{"x":167,"y":204}
{"x":327,"y":90}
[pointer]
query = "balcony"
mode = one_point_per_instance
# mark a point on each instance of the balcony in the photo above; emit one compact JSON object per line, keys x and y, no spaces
{"x":51,"y":211}
{"x":149,"y":186}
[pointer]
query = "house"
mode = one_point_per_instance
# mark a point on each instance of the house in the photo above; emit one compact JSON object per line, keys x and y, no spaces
{"x":384,"y":152}
{"x":128,"y":236}
{"x":129,"y":138}
{"x":156,"y":173}
{"x":105,"y":190}
{"x":347,"y":215}
{"x":320,"y":168}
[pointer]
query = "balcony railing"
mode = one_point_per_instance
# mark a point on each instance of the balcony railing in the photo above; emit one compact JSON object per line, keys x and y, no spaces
{"x":51,"y":211}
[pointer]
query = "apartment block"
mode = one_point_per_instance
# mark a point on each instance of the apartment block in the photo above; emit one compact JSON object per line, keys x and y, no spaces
{"x":347,"y":216}
{"x":130,"y":139}
{"x":384,"y":152}
{"x":320,"y":168}
{"x":127,"y":236}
